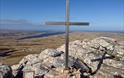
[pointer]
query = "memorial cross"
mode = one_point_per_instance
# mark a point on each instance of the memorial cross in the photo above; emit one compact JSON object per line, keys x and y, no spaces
{"x":67,"y":23}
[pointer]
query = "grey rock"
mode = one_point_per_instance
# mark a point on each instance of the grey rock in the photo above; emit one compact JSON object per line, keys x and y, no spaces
{"x":50,"y":53}
{"x":54,"y":53}
{"x":39,"y":69}
{"x":15,"y":69}
{"x":31,"y":59}
{"x":60,"y":61}
{"x":96,"y":52}
{"x":5,"y":71}
{"x":100,"y":56}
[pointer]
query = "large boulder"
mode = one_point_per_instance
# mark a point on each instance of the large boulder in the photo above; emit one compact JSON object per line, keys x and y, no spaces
{"x":30,"y":59}
{"x":30,"y":63}
{"x":103,"y":41}
{"x":99,"y":54}
{"x":5,"y":71}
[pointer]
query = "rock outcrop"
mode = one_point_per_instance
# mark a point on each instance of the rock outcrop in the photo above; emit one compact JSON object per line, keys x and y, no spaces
{"x":5,"y":71}
{"x":102,"y":57}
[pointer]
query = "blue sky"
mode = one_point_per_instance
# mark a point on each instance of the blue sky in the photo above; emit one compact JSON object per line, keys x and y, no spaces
{"x":102,"y":14}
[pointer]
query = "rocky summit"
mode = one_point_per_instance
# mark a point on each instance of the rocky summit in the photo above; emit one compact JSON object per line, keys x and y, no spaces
{"x":101,"y":57}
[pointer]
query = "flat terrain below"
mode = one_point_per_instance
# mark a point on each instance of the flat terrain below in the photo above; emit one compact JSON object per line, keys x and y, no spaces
{"x":14,"y":45}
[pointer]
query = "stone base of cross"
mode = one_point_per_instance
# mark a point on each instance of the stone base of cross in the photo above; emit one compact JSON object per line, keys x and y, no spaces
{"x":67,"y":24}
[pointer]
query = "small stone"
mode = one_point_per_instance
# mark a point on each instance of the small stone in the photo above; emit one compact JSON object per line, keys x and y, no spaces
{"x":54,"y":53}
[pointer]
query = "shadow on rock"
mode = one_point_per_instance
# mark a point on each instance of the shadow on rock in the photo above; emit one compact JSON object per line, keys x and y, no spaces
{"x":20,"y":72}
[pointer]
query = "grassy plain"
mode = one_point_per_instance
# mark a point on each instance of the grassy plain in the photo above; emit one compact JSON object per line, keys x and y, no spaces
{"x":15,"y":45}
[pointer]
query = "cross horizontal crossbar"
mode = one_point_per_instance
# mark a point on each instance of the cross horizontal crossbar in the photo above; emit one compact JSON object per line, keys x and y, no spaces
{"x":66,"y":23}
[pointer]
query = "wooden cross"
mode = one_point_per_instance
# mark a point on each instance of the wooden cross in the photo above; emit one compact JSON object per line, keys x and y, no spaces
{"x":67,"y":24}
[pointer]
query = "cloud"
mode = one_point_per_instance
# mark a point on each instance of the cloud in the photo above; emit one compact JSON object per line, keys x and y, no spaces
{"x":8,"y":21}
{"x":18,"y":24}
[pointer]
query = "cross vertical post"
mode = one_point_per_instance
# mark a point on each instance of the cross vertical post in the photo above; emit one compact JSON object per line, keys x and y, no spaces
{"x":67,"y":34}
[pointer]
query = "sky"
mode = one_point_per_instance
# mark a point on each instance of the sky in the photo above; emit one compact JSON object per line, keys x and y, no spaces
{"x":103,"y":15}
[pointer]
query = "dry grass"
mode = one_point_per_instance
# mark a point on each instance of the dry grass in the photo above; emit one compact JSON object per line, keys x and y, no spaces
{"x":21,"y":48}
